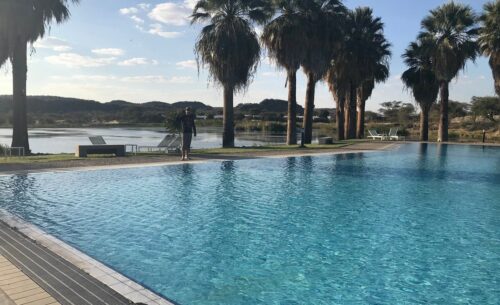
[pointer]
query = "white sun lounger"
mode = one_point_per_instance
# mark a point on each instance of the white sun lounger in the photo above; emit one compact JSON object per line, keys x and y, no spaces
{"x":393,"y":135}
{"x":375,"y":135}
{"x":171,"y":143}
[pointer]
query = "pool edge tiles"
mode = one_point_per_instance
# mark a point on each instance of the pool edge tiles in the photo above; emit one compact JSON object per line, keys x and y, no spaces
{"x":389,"y":146}
{"x":107,"y":276}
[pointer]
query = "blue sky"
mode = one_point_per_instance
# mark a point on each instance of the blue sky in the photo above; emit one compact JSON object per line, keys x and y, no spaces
{"x":141,"y":51}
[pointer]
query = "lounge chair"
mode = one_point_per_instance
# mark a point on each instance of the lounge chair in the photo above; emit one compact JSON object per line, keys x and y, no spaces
{"x":375,"y":135}
{"x":171,"y":143}
{"x":99,"y":140}
{"x":393,"y":135}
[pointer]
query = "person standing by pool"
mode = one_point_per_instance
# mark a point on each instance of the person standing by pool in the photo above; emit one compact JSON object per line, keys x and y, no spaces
{"x":188,"y":129}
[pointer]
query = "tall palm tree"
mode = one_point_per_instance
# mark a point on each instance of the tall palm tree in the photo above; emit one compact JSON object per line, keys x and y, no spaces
{"x":450,"y":32}
{"x":229,"y":47}
{"x":364,"y":92}
{"x":337,"y":87}
{"x":283,"y":38}
{"x":324,"y":19}
{"x":362,"y":60}
{"x":26,"y":21}
{"x":376,"y":69}
{"x":422,"y":81}
{"x":489,"y":38}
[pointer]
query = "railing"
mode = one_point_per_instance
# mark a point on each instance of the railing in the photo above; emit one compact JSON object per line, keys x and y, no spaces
{"x":7,"y":151}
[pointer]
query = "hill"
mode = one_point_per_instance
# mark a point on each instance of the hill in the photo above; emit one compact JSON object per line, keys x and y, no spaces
{"x":74,"y":112}
{"x":267,"y":106}
{"x":56,"y":104}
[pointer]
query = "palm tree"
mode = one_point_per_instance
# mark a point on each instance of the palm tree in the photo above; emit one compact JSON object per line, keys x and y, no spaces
{"x":283,"y":38}
{"x":26,"y":21}
{"x":489,"y":38}
{"x":324,"y":19}
{"x":362,"y":60}
{"x":229,"y":46}
{"x":337,"y":87}
{"x":422,"y":81}
{"x":377,"y":69}
{"x":450,"y":33}
{"x":364,"y":92}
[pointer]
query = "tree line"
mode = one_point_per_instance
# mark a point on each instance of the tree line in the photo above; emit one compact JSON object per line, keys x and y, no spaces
{"x":345,"y":48}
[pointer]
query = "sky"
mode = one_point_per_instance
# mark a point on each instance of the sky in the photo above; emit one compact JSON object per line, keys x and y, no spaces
{"x":140,"y":51}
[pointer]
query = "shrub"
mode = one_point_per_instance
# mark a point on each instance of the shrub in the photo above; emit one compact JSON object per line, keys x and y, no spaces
{"x":3,"y":149}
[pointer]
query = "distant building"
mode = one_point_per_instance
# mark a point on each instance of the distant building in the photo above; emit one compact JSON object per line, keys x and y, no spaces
{"x":218,"y":117}
{"x":201,"y":117}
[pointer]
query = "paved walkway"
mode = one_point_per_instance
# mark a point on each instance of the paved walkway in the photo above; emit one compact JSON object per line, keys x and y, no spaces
{"x":53,"y":275}
{"x":18,"y":289}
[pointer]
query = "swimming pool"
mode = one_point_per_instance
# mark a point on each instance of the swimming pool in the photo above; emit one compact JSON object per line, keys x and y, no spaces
{"x":416,"y":225}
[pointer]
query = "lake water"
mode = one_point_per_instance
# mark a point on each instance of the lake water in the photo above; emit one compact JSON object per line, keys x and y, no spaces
{"x":65,"y":140}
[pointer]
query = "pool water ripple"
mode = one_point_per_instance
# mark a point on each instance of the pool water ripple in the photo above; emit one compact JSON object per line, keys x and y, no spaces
{"x":417,"y":225}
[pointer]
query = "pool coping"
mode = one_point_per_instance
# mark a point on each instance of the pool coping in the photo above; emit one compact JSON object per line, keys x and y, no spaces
{"x":121,"y":284}
{"x":386,"y":147}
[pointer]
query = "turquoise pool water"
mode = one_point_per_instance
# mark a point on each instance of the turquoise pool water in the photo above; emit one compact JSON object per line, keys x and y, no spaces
{"x":416,"y":225}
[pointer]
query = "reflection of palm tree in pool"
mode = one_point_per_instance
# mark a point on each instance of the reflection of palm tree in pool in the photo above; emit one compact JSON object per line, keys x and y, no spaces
{"x":22,"y":187}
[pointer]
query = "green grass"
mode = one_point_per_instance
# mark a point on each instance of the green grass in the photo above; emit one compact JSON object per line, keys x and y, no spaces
{"x":284,"y":148}
{"x":45,"y":158}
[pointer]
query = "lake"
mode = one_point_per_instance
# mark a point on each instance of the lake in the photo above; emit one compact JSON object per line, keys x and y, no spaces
{"x":65,"y":140}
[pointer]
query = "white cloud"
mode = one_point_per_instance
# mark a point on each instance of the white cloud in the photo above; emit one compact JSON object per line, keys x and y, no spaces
{"x":157,"y":79}
{"x":172,"y":13}
{"x":137,"y":61}
{"x":157,"y":29}
{"x":94,"y":78}
{"x":187,"y":64}
{"x":144,"y":6}
{"x":53,"y":43}
{"x":190,"y":3}
{"x":73,"y":60}
{"x":129,"y":10}
{"x":137,"y":19}
{"x":109,"y":51}
{"x":180,"y":80}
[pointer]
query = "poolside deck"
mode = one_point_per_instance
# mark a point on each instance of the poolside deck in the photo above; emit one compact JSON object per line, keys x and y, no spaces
{"x":16,"y":288}
{"x":30,"y":268}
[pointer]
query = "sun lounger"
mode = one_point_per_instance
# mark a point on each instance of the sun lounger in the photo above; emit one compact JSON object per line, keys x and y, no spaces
{"x":375,"y":135}
{"x":393,"y":135}
{"x":99,"y":140}
{"x":171,"y":143}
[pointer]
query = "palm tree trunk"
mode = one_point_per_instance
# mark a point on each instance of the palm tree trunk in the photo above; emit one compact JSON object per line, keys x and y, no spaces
{"x":291,"y":134}
{"x":340,"y":116}
{"x":361,"y":102}
{"x":19,"y":75}
{"x":495,"y":68}
{"x":350,"y":113}
{"x":443,"y":118}
{"x":309,"y":108}
{"x":228,"y":123}
{"x":424,"y":123}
